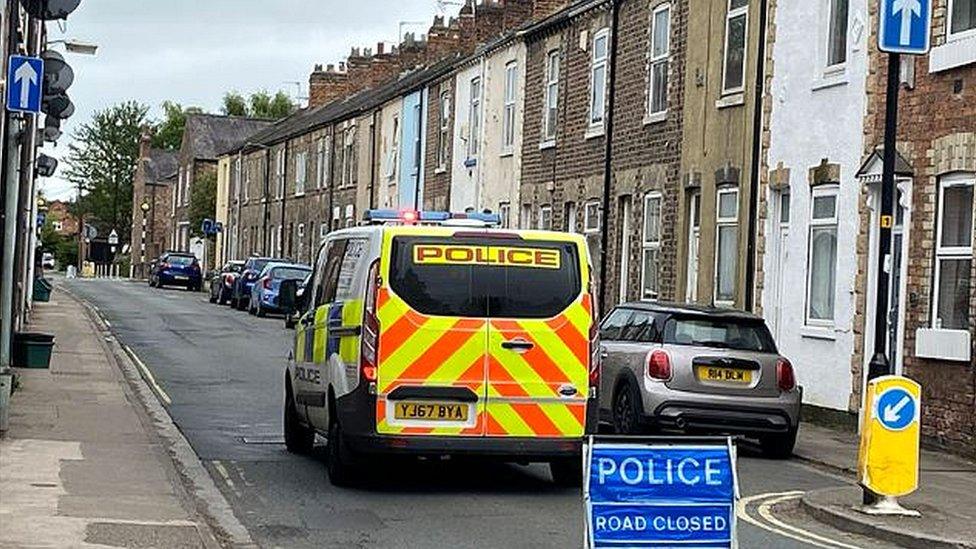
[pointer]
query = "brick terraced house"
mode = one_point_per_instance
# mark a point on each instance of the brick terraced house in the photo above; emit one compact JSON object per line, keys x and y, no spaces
{"x":687,"y":140}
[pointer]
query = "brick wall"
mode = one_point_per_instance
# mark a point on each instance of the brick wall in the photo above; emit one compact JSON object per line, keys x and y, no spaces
{"x":936,"y":133}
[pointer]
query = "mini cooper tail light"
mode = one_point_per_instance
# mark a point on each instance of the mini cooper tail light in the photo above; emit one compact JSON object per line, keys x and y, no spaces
{"x":658,"y":365}
{"x":785,"y":377}
{"x":369,"y":352}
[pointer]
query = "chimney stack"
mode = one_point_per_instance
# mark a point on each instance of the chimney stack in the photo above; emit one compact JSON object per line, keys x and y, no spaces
{"x":326,"y":86}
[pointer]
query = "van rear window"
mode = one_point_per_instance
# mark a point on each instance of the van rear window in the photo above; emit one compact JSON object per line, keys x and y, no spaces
{"x":485,"y":277}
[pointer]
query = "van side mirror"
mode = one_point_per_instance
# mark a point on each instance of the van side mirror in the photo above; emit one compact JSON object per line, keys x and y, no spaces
{"x":288,"y":296}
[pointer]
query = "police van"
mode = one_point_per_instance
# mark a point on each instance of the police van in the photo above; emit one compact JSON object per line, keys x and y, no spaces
{"x":433,"y":334}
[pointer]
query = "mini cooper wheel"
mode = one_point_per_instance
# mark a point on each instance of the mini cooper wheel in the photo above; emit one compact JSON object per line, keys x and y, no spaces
{"x":778,"y":446}
{"x":299,"y":439}
{"x":626,"y":410}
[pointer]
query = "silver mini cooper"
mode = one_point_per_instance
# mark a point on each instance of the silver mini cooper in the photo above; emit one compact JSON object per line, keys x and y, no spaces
{"x":701,"y":370}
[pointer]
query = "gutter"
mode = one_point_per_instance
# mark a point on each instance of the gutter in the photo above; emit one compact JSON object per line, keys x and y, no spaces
{"x":757,"y":127}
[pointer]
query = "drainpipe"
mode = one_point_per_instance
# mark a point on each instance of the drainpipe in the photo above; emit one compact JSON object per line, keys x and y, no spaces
{"x":608,"y":155}
{"x":372,"y":161}
{"x":267,"y":210}
{"x":757,"y":125}
{"x":284,"y":201}
{"x":332,"y":181}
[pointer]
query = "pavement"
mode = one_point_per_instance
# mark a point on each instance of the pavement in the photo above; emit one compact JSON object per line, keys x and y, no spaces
{"x":81,"y":464}
{"x":946,"y":497}
{"x":213,"y":390}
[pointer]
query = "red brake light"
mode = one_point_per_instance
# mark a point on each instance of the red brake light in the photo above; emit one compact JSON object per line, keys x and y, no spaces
{"x":658,"y":365}
{"x":164,"y":265}
{"x":267,"y":283}
{"x":785,"y":377}
{"x":369,"y":352}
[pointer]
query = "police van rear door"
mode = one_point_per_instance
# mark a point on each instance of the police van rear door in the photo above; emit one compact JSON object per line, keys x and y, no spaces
{"x":538,"y":336}
{"x":432,"y":338}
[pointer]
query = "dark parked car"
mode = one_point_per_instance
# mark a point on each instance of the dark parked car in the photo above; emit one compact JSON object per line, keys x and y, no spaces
{"x":222,"y":282}
{"x":264,"y":294}
{"x":698,"y":370}
{"x":241,"y":296}
{"x":177,"y":269}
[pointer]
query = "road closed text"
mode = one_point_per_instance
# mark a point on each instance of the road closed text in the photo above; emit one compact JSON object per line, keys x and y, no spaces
{"x":438,"y":254}
{"x":668,"y":522}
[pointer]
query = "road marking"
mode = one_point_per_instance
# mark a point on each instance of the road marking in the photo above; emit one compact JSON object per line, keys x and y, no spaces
{"x":149,"y":376}
{"x":768,"y":501}
{"x":226,"y":476}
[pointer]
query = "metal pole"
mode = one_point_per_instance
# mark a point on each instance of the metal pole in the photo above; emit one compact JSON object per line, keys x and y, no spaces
{"x":880,"y":365}
{"x":12,"y":193}
{"x":608,"y":160}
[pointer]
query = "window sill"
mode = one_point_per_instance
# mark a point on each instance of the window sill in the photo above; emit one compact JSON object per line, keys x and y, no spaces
{"x":952,"y":345}
{"x":824,"y":333}
{"x":731,"y":100}
{"x":956,"y":52}
{"x":440,"y":170}
{"x":593,"y":132}
{"x":832,"y":77}
{"x":506,"y":153}
{"x":547,"y":145}
{"x":655,"y":118}
{"x":299,"y":195}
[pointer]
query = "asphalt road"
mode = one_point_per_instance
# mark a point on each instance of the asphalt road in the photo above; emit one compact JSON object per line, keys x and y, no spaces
{"x":220,"y":375}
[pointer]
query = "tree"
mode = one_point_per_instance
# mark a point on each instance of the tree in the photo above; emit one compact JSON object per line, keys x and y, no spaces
{"x":235,"y":104}
{"x":102,"y":163}
{"x":203,"y":202}
{"x":259,"y":104}
{"x":169,"y":132}
{"x":64,"y":248}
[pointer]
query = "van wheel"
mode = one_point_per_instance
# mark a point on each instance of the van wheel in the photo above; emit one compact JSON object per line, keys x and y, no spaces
{"x":339,"y":465}
{"x":299,"y":439}
{"x":567,"y":472}
{"x":778,"y":446}
{"x":626,"y":410}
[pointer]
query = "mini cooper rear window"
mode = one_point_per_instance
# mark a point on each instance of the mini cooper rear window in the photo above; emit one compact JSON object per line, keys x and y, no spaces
{"x":181,"y":260}
{"x":721,"y":333}
{"x":485,"y":278}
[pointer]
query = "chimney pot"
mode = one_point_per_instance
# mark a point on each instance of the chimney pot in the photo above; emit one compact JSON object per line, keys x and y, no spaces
{"x":380,"y":47}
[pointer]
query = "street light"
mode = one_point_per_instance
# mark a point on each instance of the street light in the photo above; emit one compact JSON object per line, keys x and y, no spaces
{"x":73,"y":45}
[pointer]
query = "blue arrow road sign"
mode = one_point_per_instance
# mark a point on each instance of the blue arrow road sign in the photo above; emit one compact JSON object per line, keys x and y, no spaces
{"x":905,"y":26}
{"x":657,"y":494}
{"x":896,"y":409}
{"x":24,"y":78}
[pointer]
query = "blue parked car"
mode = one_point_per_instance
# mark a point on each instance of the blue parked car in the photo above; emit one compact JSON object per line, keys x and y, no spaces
{"x":264,"y":295}
{"x":241,"y":296}
{"x":177,"y":269}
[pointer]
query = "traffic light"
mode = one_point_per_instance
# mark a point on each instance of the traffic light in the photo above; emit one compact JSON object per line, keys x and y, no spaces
{"x":58,"y":77}
{"x":51,"y":131}
{"x":46,"y":166}
{"x":49,"y":10}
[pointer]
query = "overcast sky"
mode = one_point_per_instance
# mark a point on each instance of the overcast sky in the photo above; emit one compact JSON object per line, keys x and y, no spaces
{"x":192,"y":51}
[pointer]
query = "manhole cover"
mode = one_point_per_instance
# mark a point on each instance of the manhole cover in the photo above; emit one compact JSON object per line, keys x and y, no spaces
{"x":263,"y":439}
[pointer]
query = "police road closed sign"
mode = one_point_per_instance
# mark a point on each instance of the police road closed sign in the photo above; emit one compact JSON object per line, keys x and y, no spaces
{"x":659,"y":494}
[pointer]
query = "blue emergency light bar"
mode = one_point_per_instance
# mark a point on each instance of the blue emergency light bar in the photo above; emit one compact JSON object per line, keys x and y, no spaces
{"x":412,"y":216}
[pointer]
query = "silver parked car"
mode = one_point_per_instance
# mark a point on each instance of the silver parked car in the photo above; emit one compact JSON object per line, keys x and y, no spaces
{"x":700,"y":370}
